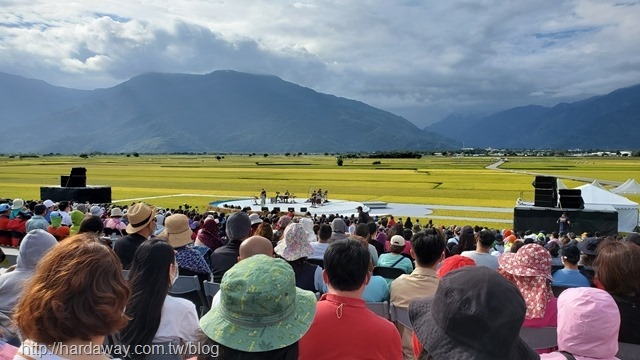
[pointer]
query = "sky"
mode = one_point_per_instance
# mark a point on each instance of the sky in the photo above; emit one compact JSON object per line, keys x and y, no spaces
{"x":420,"y":59}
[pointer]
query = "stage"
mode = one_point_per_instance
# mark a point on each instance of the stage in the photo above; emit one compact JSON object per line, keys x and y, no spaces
{"x":333,"y":206}
{"x":602,"y":218}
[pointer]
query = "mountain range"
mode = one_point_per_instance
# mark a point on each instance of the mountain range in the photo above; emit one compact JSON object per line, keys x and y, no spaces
{"x":609,"y":121}
{"x":224,"y":111}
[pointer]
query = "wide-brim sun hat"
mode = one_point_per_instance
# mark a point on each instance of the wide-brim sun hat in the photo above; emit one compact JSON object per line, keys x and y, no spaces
{"x":139,"y":216}
{"x":260,"y":307}
{"x":17,"y":204}
{"x":530,"y":260}
{"x":177,"y":231}
{"x":295,"y":244}
{"x":474,"y":314}
{"x":116,"y":212}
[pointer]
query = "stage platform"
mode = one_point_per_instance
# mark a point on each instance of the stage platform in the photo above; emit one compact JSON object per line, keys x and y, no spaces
{"x":340,"y":207}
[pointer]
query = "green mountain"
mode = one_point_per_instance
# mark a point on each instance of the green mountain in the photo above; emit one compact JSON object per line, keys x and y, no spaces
{"x":224,"y":111}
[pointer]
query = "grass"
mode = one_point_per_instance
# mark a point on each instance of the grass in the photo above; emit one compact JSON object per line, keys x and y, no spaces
{"x":460,"y":181}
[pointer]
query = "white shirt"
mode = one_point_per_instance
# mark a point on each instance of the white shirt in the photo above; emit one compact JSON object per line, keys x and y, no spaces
{"x":178,"y":320}
{"x":66,"y":218}
{"x":482,"y":259}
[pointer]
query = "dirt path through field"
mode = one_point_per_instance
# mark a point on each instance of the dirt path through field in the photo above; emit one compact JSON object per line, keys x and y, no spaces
{"x":496,"y":166}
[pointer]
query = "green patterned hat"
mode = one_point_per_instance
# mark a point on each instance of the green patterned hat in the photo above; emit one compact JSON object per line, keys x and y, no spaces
{"x":260,"y":307}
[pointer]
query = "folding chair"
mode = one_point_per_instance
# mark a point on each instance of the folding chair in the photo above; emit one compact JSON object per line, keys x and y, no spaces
{"x":189,"y":284}
{"x":387,"y":272}
{"x":628,"y":351}
{"x":539,"y":338}
{"x":380,"y":308}
{"x":319,"y":262}
{"x":400,"y":315}
{"x":557,"y":290}
{"x":210,"y":290}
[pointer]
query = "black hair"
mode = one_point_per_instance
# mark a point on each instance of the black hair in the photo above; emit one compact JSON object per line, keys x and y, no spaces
{"x":362,"y":230}
{"x":91,"y":224}
{"x":372,"y":227}
{"x":553,"y":248}
{"x":407,"y":234}
{"x":571,"y":254}
{"x":486,"y":238}
{"x":428,"y":246}
{"x":149,"y":283}
{"x":39,"y":209}
{"x":325,"y":232}
{"x":346,"y":263}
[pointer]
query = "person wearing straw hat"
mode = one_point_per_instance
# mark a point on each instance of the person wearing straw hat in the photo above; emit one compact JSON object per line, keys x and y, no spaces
{"x":261,"y":312}
{"x":343,"y":327}
{"x":115,"y":223}
{"x":142,"y":222}
{"x":177,"y":232}
{"x":474,"y":314}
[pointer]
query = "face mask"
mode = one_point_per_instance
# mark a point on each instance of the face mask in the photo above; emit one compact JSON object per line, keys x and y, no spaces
{"x":175,"y":277}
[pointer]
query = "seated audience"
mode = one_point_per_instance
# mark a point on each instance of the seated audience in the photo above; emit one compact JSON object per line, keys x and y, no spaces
{"x":618,"y":271}
{"x":633,"y":238}
{"x":466,"y":241}
{"x":342,"y":312}
{"x":91,"y":224}
{"x":56,"y":229}
{"x":177,"y":233}
{"x":362,"y":231}
{"x":5,"y":234}
{"x":530,"y":270}
{"x":208,"y":235}
{"x":554,"y":250}
{"x":428,"y":250}
{"x":307,"y":223}
{"x":482,"y":254}
{"x":295,"y":249}
{"x":261,"y":315}
{"x":588,"y":325}
{"x":394,"y":258}
{"x":142,"y":223}
{"x":338,"y":230}
{"x":38,"y":221}
{"x":266,"y":231}
{"x":76,"y":218}
{"x":76,"y":296}
{"x":114,"y":223}
{"x":34,"y":246}
{"x":320,"y":246}
{"x":18,"y":227}
{"x":224,"y":257}
{"x":155,"y":315}
{"x":474,"y":314}
{"x":570,"y":275}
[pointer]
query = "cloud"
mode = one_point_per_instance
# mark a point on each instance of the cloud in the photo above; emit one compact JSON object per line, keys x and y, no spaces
{"x":419,"y":59}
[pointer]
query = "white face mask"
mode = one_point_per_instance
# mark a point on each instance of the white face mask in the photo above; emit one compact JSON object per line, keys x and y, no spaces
{"x":175,"y":277}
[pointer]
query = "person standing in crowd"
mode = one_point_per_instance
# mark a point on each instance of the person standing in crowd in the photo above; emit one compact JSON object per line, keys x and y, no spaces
{"x":343,"y":314}
{"x":363,"y":216}
{"x":142,"y":223}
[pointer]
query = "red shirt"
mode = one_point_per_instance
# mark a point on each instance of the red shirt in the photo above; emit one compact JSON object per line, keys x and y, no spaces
{"x":5,"y":238}
{"x":343,"y":328}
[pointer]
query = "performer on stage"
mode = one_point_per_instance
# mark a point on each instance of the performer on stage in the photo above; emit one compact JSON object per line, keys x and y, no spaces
{"x":263,"y":197}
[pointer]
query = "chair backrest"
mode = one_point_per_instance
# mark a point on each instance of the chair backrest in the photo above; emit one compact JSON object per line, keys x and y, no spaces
{"x":210,"y":290}
{"x":186,"y":284}
{"x":380,"y":308}
{"x":400,"y":315}
{"x":387,"y":272}
{"x":539,"y":338}
{"x":319,"y":262}
{"x":628,"y":351}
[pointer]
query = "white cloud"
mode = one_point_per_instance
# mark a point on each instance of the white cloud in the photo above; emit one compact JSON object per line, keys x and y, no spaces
{"x":421,"y":59}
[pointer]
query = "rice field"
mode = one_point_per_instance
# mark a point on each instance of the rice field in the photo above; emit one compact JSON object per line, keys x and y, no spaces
{"x":460,"y":181}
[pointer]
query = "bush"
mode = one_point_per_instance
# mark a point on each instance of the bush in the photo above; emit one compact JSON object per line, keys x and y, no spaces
{"x":339,"y":161}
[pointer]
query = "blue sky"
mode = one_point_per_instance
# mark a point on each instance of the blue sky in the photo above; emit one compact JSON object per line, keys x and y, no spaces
{"x":419,"y":59}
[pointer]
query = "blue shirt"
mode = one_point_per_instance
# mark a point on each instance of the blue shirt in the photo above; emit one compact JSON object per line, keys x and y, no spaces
{"x":376,"y":290}
{"x":569,"y":278}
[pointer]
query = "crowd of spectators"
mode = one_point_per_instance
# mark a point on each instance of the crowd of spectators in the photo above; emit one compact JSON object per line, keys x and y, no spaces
{"x":297,"y":286}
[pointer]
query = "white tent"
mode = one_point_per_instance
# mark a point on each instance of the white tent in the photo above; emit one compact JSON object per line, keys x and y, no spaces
{"x":596,"y":183}
{"x":627,"y":209}
{"x":630,"y":186}
{"x":561,"y":185}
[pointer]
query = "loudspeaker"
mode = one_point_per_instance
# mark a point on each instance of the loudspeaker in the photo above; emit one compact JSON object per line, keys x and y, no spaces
{"x":545,"y":182}
{"x":276,"y":209}
{"x":291,"y":209}
{"x":303,"y":209}
{"x":571,"y":199}
{"x":264,"y":208}
{"x":546,"y":198}
{"x":77,"y":178}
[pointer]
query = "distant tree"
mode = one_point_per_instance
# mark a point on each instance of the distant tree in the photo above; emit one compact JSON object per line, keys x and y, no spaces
{"x":636,"y":153}
{"x":218,"y":158}
{"x":376,"y":163}
{"x":128,"y":155}
{"x":287,"y":154}
{"x":265,"y":155}
{"x":326,"y":154}
{"x":84,"y":156}
{"x":135,"y":154}
{"x":339,"y":161}
{"x":300,"y":154}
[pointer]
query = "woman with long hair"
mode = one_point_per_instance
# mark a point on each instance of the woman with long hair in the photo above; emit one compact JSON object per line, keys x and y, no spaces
{"x":155,"y":315}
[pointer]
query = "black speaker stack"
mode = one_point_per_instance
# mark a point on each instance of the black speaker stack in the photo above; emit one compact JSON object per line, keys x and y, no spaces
{"x":571,"y":199}
{"x":546,"y":191}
